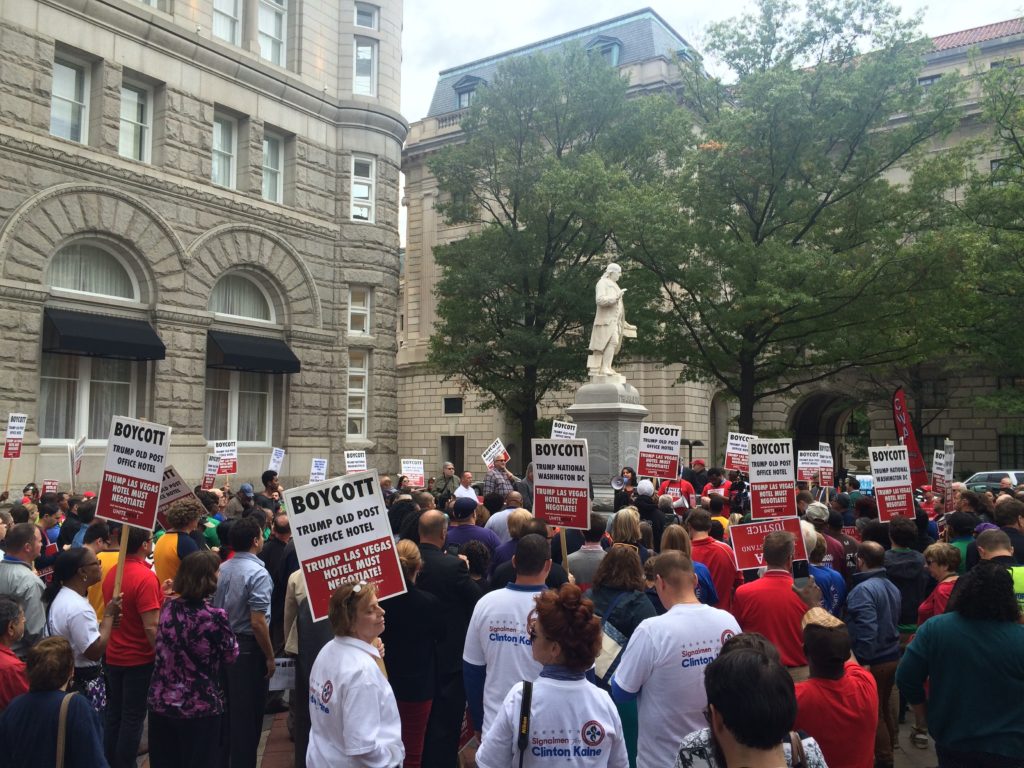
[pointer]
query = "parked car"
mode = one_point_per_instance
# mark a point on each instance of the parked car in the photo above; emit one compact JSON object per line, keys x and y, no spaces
{"x":989,"y":480}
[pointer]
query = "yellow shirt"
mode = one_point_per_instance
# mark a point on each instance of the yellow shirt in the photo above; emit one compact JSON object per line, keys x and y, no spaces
{"x":108,"y":561}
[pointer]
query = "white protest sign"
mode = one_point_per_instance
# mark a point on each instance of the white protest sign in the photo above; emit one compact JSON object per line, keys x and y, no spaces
{"x":133,"y":472}
{"x":807,"y":463}
{"x":894,"y":492}
{"x":413,"y":470}
{"x":563,"y":430}
{"x":355,"y":461}
{"x":827,"y":467}
{"x":561,"y":482}
{"x":772,"y":483}
{"x":737,"y":451}
{"x":948,"y":449}
{"x":495,"y":450}
{"x":210,"y":475}
{"x":318,"y":471}
{"x":227,"y":452}
{"x":15,"y":435}
{"x":939,"y":483}
{"x":342,"y":535}
{"x":659,"y":450}
{"x":78,"y":453}
{"x":172,"y":489}
{"x":276,"y":459}
{"x":50,"y":486}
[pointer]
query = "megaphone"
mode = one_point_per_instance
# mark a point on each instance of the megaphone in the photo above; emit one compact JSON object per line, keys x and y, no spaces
{"x":618,"y":483}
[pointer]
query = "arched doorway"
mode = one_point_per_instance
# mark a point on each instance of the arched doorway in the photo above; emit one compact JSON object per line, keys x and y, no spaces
{"x":822,"y":418}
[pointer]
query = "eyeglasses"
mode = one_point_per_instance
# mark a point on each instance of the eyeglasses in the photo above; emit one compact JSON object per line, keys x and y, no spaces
{"x":357,"y":588}
{"x":634,"y":547}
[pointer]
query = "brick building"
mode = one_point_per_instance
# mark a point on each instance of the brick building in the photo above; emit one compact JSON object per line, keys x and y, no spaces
{"x":199,"y":227}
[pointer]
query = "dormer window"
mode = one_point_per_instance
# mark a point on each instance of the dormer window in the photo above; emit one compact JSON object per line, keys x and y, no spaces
{"x":465,"y":89}
{"x":610,"y":48}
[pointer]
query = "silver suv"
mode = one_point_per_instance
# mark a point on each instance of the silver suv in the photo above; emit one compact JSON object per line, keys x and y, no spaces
{"x":989,"y":481}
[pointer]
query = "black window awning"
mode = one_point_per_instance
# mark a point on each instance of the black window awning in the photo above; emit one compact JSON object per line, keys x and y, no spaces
{"x":81,"y":333}
{"x":238,"y":352}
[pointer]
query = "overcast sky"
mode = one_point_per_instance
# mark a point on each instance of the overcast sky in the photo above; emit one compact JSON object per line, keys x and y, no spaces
{"x":440,"y":34}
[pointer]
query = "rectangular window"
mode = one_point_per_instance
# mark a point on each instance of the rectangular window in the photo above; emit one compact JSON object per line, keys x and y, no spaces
{"x":466,"y":99}
{"x":238,"y":406}
{"x":136,"y":122}
{"x":227,"y":18}
{"x":364,"y":173}
{"x":1011,"y":451}
{"x":359,"y":300}
{"x":358,"y":390}
{"x":367,"y":15}
{"x":273,"y":168}
{"x":79,"y":395}
{"x":273,"y":25}
{"x":928,"y":80}
{"x":365,"y":67}
{"x":225,"y":149}
{"x":69,"y":100}
{"x":452,"y":406}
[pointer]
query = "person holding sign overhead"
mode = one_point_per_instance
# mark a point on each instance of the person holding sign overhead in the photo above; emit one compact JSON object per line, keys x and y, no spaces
{"x":354,"y":715}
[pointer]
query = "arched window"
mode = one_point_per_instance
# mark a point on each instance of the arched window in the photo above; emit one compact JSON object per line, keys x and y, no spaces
{"x":241,"y":297}
{"x":90,"y":269}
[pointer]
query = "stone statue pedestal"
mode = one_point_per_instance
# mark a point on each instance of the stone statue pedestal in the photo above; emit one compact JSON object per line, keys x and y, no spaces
{"x":608,"y":412}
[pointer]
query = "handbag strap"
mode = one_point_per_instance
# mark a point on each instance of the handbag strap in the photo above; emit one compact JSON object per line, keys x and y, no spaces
{"x":524,"y":721}
{"x":796,"y":746}
{"x":611,"y":609}
{"x":62,"y":728}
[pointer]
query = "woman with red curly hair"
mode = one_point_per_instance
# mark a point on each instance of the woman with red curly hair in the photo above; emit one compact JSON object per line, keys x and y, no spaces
{"x":567,"y":717}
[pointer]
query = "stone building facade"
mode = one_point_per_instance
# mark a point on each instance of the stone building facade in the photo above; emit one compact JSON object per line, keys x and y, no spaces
{"x":199,"y":227}
{"x":438,"y":421}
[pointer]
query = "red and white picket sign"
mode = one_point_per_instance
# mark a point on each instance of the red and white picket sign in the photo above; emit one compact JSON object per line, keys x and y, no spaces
{"x":894,"y":491}
{"x":748,"y":540}
{"x":772,"y":487}
{"x":737,"y":451}
{"x":561,"y":482}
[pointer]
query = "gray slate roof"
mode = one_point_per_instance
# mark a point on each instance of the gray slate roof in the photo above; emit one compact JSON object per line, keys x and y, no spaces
{"x":643,"y":35}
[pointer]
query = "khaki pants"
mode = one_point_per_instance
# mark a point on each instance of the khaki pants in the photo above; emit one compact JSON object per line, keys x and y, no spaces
{"x":885,"y":734}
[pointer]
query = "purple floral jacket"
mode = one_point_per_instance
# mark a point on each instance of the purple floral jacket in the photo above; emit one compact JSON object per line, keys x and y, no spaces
{"x":193,"y":641}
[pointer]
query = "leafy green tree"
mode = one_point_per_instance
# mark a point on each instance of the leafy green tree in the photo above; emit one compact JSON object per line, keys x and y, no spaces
{"x":785,"y":249}
{"x":542,"y":148}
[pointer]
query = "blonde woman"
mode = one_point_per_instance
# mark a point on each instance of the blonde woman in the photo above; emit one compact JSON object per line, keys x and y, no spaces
{"x":354,"y":717}
{"x":676,"y":538}
{"x":413,"y":631}
{"x":625,"y":531}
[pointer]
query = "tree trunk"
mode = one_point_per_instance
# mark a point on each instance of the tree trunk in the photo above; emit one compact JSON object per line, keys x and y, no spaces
{"x":748,"y":397}
{"x":528,"y":419}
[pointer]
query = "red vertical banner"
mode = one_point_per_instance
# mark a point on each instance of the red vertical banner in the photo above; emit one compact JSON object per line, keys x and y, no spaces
{"x":905,"y":432}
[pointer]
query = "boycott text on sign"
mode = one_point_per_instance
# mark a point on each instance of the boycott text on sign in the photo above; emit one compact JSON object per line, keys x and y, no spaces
{"x":342,"y":535}
{"x":355,"y":461}
{"x":495,"y":450}
{"x":890,"y":467}
{"x":227,"y":452}
{"x":939,"y":484}
{"x":772,"y":487}
{"x":413,"y":470}
{"x":826,"y":470}
{"x":563,"y":430}
{"x":561,"y":482}
{"x":172,"y":489}
{"x":948,"y":449}
{"x":748,"y":540}
{"x":15,"y":434}
{"x":737,"y":451}
{"x":659,"y":450}
{"x":133,"y":472}
{"x":807,"y":463}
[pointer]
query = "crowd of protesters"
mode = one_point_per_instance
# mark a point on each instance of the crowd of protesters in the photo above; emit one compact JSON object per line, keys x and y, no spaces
{"x":634,"y":642}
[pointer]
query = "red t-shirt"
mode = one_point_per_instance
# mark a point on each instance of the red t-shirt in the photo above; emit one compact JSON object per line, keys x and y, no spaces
{"x":719,"y":559}
{"x":721,"y":490}
{"x":13,"y":680}
{"x":129,"y":646}
{"x":935,"y":603}
{"x":771,"y":607}
{"x":677,"y":488}
{"x":841,"y":715}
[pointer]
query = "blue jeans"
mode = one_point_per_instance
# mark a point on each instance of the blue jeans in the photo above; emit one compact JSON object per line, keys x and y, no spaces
{"x":127,"y":688}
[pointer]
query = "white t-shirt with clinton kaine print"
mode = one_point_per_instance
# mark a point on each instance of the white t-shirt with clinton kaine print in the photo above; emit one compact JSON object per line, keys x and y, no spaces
{"x":665,"y":661}
{"x":498,"y":638}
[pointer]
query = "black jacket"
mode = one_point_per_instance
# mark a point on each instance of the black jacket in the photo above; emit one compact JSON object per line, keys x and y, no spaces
{"x":447,"y":578}
{"x":413,"y":631}
{"x":506,"y":574}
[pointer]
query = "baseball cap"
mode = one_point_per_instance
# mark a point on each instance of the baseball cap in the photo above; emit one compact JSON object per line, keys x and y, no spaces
{"x":463,"y":508}
{"x":645,"y":488}
{"x":88,"y":495}
{"x":246,"y":490}
{"x":698,"y":461}
{"x":819,"y":617}
{"x":816,"y":512}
